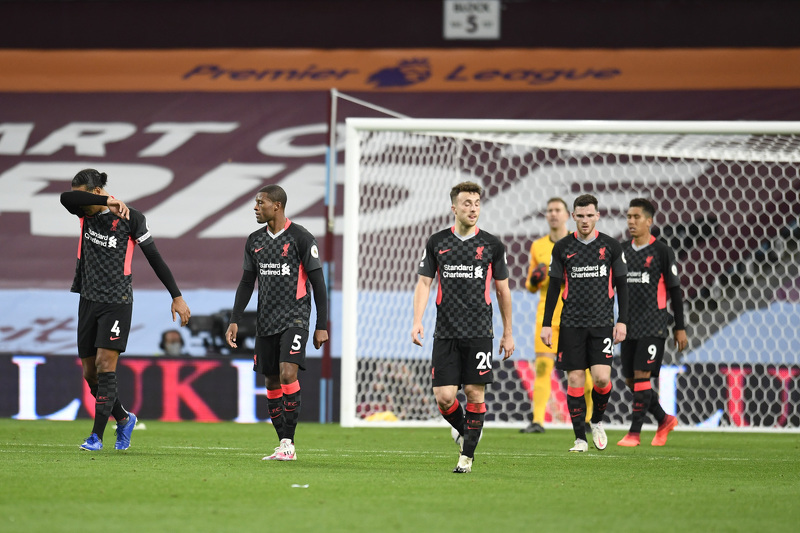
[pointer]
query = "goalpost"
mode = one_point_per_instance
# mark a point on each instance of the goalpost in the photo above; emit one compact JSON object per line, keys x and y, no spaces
{"x":726,"y":195}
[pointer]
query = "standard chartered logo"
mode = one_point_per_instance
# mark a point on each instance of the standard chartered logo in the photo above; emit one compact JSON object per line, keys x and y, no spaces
{"x":274,"y":269}
{"x":462,"y":271}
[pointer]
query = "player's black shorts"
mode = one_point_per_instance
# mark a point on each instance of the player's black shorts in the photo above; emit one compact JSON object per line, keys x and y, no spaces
{"x":286,"y":347}
{"x":582,"y":348}
{"x":645,"y":354}
{"x":102,"y":326}
{"x":461,"y":362}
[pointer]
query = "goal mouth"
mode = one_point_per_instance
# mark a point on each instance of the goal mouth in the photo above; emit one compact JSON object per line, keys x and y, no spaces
{"x":726,"y":195}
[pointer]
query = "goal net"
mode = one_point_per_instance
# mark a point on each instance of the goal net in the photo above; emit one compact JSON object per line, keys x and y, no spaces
{"x":726,"y":195}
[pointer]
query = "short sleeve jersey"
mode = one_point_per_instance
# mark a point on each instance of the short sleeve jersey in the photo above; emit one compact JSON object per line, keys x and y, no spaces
{"x":588,"y":270}
{"x":465,"y":269}
{"x":541,"y":250}
{"x":652,"y":271}
{"x":282,"y":263}
{"x":105,"y":252}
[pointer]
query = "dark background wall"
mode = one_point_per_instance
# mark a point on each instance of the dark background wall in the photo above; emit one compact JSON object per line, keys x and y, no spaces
{"x":49,"y":24}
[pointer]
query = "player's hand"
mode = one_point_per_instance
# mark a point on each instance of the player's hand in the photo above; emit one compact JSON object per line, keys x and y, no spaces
{"x":179,"y":306}
{"x":681,"y":341}
{"x":620,"y":332}
{"x":320,"y":337}
{"x":233,"y":330}
{"x":417,"y":334}
{"x":119,"y":208}
{"x":547,"y":336}
{"x":538,"y":275}
{"x":507,"y":346}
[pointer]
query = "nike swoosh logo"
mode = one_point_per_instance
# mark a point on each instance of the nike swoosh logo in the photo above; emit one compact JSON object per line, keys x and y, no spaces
{"x":293,"y":353}
{"x":113,"y":338}
{"x":570,"y":256}
{"x":484,"y":372}
{"x":444,"y":251}
{"x":258,"y":250}
{"x":609,"y":356}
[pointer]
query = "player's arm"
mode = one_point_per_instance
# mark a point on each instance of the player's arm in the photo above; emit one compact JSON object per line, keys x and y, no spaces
{"x":676,"y":299}
{"x":74,"y":200}
{"x":421,"y":294}
{"x":163,"y":272}
{"x":243,"y":293}
{"x":553,"y":292}
{"x":679,"y":330}
{"x":504,"y":303}
{"x":317,"y":280}
{"x":621,"y":327}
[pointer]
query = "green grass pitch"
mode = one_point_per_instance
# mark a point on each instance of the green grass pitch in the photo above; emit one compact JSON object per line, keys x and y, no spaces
{"x":210,"y":477}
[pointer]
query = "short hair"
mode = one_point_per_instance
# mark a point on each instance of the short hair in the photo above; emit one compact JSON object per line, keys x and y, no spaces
{"x":558,"y":199}
{"x":275,"y":193}
{"x":646,"y":206}
{"x":90,"y":178}
{"x":584,"y":200}
{"x":464,"y":186}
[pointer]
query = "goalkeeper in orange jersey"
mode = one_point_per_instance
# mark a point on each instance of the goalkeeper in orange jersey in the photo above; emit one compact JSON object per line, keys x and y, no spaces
{"x":557,"y":216}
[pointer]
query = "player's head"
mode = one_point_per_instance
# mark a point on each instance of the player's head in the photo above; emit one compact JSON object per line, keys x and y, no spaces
{"x":171,"y":342}
{"x":270,"y":201}
{"x":466,"y":204}
{"x":585,"y":214}
{"x":557,"y":213}
{"x":90,"y":180}
{"x":640,"y":217}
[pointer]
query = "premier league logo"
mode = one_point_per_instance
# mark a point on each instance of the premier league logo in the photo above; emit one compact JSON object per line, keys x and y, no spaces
{"x":407,"y":72}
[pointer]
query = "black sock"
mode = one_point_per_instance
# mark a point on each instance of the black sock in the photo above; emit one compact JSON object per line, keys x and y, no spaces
{"x":476,"y":412}
{"x":118,"y":412}
{"x":576,"y":404}
{"x":104,"y":401}
{"x":642,"y":392}
{"x":455,"y":416}
{"x":656,"y":409}
{"x":600,"y":400}
{"x":275,"y":404}
{"x":291,"y":409}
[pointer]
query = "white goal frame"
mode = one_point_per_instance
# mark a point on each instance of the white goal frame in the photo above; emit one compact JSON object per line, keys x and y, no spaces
{"x":350,"y":263}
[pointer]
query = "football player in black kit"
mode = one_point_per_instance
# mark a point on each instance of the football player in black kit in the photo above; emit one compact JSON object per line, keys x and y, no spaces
{"x":590,"y":265}
{"x":652,"y":275}
{"x":109,"y":232}
{"x":284,"y":257}
{"x":466,"y":259}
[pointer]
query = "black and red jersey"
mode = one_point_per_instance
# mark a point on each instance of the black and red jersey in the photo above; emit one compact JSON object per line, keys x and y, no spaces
{"x":105,"y":252}
{"x":587,"y":270}
{"x":465,"y":268}
{"x":652,"y":271}
{"x":282,"y":262}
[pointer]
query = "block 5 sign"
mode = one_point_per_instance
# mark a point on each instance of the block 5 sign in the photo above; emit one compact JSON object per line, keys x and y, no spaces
{"x":471,"y":20}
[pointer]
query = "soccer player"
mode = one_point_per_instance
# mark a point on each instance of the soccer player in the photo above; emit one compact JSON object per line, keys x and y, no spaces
{"x":537,"y":280}
{"x":285,"y":259}
{"x":109,"y":232}
{"x":590,"y":264}
{"x":466,"y":259}
{"x":652,"y":274}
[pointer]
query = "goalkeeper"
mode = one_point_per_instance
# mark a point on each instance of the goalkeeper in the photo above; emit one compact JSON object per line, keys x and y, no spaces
{"x":557,"y":216}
